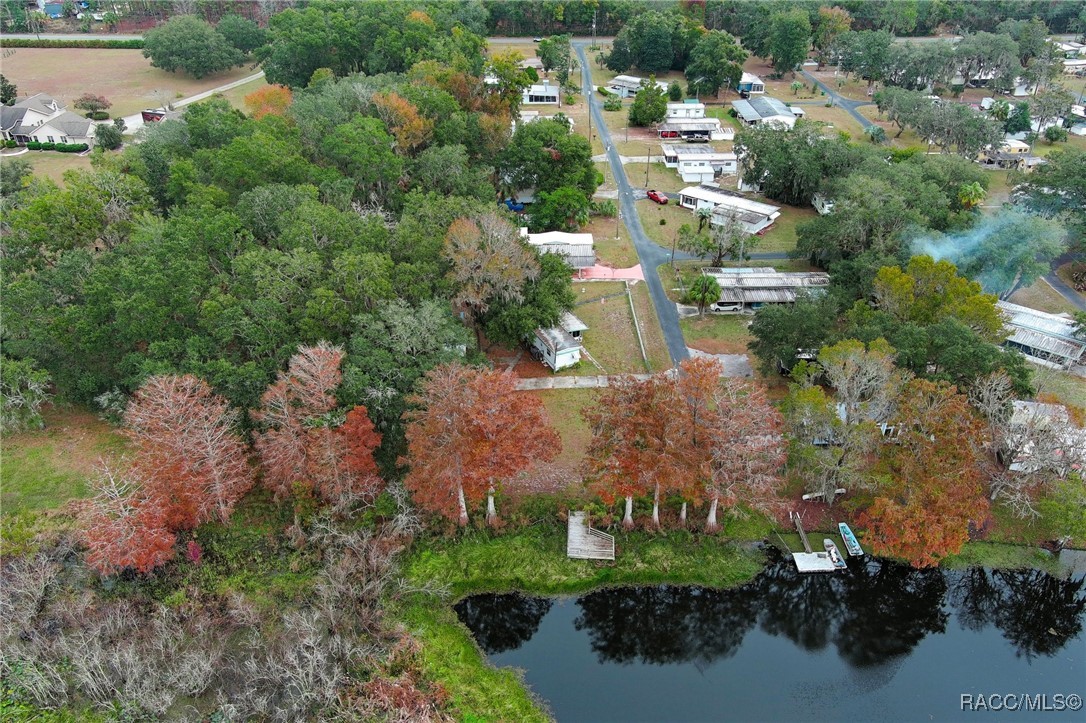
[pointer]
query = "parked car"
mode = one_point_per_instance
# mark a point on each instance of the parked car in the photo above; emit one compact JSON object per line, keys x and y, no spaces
{"x":658,"y":197}
{"x":724,"y":307}
{"x":537,"y":40}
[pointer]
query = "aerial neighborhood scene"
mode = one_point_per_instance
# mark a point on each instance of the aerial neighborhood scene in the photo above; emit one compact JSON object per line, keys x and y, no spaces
{"x":530,"y":360}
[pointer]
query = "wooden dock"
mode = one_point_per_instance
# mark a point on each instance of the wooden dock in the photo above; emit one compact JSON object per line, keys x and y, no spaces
{"x":809,"y":561}
{"x":585,"y":543}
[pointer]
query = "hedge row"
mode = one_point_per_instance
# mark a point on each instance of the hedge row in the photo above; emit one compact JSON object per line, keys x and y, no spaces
{"x":62,"y":147}
{"x":133,"y":44}
{"x":604,"y":92}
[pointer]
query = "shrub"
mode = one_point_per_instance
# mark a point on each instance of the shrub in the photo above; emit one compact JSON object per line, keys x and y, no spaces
{"x":606,"y":208}
{"x":48,"y":146}
{"x":33,"y":146}
{"x":663,"y":222}
{"x":603,"y":91}
{"x":612,"y":103}
{"x":10,"y":144}
{"x":40,"y":43}
{"x":1055,"y":133}
{"x":570,"y":99}
{"x":98,"y":115}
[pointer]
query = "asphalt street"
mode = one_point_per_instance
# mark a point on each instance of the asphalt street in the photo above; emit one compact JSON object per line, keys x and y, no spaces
{"x":650,"y":254}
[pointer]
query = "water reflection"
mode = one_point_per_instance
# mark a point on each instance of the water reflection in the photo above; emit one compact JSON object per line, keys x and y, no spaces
{"x":876,"y":614}
{"x":502,"y":622}
{"x":1037,"y":613}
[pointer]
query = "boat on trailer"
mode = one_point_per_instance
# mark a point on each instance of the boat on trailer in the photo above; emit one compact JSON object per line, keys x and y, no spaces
{"x":851,"y":543}
{"x":835,"y":556}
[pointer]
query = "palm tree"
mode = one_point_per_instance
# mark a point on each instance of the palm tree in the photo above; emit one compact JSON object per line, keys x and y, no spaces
{"x":703,"y":214}
{"x":796,"y":86}
{"x":971,"y":194}
{"x":877,"y":134}
{"x":1000,"y":110}
{"x":704,"y":291}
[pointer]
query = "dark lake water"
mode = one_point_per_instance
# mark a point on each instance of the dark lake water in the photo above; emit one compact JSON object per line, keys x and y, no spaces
{"x":881,"y":642}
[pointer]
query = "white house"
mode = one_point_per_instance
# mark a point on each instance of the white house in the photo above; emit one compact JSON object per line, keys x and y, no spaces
{"x":750,"y":83}
{"x":709,"y":196}
{"x":43,"y":119}
{"x":541,"y":94}
{"x":576,"y":248}
{"x":753,"y":216}
{"x":695,"y":129}
{"x":686,"y":109}
{"x":560,"y":346}
{"x":699,"y":164}
{"x":626,"y":86}
{"x":764,"y":110}
{"x":530,"y":116}
{"x":1074,"y":66}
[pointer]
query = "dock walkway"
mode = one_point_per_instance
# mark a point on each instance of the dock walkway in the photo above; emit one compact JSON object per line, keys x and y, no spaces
{"x":585,"y":543}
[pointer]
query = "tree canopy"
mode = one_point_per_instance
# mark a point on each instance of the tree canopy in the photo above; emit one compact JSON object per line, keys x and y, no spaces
{"x":191,"y":45}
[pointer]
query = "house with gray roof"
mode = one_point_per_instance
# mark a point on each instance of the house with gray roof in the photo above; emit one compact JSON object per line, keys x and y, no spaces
{"x":44,"y":119}
{"x":764,"y":109}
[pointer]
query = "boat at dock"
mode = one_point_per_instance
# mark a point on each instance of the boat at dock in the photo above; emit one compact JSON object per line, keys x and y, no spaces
{"x":835,"y":556}
{"x":851,"y":543}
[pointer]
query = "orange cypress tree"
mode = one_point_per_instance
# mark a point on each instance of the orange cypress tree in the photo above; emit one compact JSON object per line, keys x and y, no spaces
{"x":269,"y":100}
{"x":931,"y":487}
{"x":470,"y":432}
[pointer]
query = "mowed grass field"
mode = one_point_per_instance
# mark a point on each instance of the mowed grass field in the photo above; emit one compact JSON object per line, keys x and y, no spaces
{"x":610,"y":339}
{"x":52,"y":164}
{"x":46,"y":468}
{"x":125,"y":77}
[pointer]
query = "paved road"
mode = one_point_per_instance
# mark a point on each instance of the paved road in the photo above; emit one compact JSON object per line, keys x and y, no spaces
{"x":841,"y":101}
{"x":1064,"y":290}
{"x":648,"y":253}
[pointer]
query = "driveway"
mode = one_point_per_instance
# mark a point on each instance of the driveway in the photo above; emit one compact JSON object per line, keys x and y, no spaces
{"x":134,"y":122}
{"x":842,"y":102}
{"x":649,"y":253}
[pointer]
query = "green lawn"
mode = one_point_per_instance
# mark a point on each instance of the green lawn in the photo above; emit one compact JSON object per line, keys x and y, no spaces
{"x":781,"y":236}
{"x":44,"y":469}
{"x":565,"y":407}
{"x":610,"y":338}
{"x":1066,"y":387}
{"x":717,"y":333}
{"x":651,"y":333}
{"x":236,"y":96}
{"x":52,"y":164}
{"x":616,"y":252}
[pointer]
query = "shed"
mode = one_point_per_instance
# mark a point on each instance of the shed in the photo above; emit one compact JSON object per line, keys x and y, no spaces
{"x":560,"y":346}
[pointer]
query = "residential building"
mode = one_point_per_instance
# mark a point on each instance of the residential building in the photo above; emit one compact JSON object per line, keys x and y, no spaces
{"x":764,"y":110}
{"x":695,"y":130}
{"x":686,"y":109}
{"x":1047,"y":339}
{"x":560,"y":346}
{"x":750,"y":83}
{"x":747,"y":289}
{"x":699,"y":164}
{"x":1074,"y":66}
{"x":1011,"y":154}
{"x":530,"y":116}
{"x":626,"y":86}
{"x":753,"y":216}
{"x":576,"y":248}
{"x":543,"y":93}
{"x":43,"y":119}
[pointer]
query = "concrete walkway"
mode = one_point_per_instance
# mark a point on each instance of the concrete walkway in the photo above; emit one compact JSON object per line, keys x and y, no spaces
{"x":650,"y":254}
{"x":596,"y":273}
{"x":596,"y":382}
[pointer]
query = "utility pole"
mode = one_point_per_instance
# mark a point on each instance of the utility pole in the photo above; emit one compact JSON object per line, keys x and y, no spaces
{"x":648,"y":149}
{"x":594,"y":11}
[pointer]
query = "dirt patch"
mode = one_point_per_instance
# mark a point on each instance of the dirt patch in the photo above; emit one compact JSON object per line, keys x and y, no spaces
{"x":73,"y":437}
{"x":125,"y":77}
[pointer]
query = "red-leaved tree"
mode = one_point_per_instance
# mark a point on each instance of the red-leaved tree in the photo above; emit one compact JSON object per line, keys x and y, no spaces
{"x":189,"y":466}
{"x":122,"y":528}
{"x":469,"y":433}
{"x":302,"y":442}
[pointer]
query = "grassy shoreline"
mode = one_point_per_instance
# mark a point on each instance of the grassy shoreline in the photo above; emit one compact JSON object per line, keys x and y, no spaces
{"x":533,"y":561}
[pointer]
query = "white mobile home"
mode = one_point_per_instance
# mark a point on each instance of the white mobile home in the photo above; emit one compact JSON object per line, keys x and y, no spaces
{"x":686,"y":109}
{"x":626,"y":86}
{"x":764,"y":110}
{"x":560,"y":346}
{"x":753,"y":216}
{"x":699,"y":164}
{"x":754,"y":288}
{"x":540,"y":94}
{"x":576,"y":248}
{"x":750,"y":83}
{"x":1047,"y":339}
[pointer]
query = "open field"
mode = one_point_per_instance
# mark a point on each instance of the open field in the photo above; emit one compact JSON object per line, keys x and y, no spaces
{"x":123,"y":76}
{"x":673,"y":214}
{"x":1066,"y":387}
{"x":564,"y":407}
{"x":836,"y":117}
{"x":717,"y":333}
{"x":45,"y":468}
{"x":52,"y":164}
{"x":1043,"y":297}
{"x":649,"y":323}
{"x":610,"y":338}
{"x":618,"y":252}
